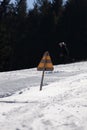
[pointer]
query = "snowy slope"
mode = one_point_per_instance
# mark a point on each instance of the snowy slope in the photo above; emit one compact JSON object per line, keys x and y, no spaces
{"x":61,"y":105}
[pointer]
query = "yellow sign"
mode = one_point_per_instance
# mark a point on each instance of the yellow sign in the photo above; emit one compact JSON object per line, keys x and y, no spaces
{"x":46,"y":63}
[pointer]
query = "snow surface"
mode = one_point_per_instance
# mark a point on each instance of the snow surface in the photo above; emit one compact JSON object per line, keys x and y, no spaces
{"x":61,"y":105}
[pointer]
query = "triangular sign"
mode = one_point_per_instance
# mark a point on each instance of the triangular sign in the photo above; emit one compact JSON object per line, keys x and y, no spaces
{"x":45,"y":63}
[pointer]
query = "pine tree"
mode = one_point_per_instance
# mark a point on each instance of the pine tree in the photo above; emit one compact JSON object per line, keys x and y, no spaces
{"x":57,"y":5}
{"x":4,"y":8}
{"x":21,"y":8}
{"x":74,"y":27}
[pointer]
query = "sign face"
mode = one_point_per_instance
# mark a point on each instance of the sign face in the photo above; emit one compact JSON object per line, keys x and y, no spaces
{"x":46,"y":63}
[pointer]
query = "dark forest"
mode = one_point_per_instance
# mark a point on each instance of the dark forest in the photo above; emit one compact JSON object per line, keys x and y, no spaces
{"x":26,"y":34}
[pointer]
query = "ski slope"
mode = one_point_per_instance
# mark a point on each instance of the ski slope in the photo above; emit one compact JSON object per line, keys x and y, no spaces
{"x":61,"y":105}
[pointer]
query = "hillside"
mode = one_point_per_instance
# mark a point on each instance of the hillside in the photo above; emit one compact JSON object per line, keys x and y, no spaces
{"x":61,"y":105}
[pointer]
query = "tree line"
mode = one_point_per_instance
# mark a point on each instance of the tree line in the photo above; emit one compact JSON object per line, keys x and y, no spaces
{"x":25,"y":34}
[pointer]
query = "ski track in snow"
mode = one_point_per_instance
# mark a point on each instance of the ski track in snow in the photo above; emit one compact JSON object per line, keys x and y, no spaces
{"x":61,"y":105}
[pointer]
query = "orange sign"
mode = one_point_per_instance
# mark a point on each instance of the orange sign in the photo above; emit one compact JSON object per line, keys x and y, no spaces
{"x":45,"y":63}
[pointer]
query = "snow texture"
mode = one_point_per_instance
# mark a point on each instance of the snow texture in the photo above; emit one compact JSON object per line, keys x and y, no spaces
{"x":61,"y":105}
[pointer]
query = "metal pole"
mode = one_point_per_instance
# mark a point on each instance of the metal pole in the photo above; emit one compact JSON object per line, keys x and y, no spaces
{"x":43,"y":75}
{"x":43,"y":71}
{"x":42,"y":80}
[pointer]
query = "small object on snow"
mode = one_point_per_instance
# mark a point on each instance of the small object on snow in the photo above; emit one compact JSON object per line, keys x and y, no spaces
{"x":20,"y":92}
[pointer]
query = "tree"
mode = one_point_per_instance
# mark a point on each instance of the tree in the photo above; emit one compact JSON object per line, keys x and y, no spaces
{"x":57,"y":6}
{"x":21,"y":8}
{"x":74,"y":27}
{"x":4,"y":8}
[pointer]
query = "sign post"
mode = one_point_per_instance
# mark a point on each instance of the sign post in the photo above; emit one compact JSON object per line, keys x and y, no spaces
{"x":42,"y":80}
{"x":45,"y":65}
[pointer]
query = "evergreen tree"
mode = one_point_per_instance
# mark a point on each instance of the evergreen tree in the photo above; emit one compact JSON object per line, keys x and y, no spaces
{"x":57,"y":6}
{"x":4,"y":8}
{"x":21,"y":8}
{"x":74,"y":27}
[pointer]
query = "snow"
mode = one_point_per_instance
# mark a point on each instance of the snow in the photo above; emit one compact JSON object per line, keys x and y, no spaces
{"x":61,"y":105}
